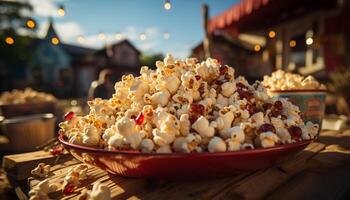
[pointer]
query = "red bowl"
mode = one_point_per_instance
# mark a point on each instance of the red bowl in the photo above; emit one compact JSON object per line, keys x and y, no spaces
{"x":182,"y":165}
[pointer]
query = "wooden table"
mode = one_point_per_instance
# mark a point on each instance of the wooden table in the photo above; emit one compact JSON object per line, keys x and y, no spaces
{"x":321,"y":171}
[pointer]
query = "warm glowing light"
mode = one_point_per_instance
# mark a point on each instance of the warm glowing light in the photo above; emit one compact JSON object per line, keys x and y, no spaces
{"x":61,"y":12}
{"x":257,"y":48}
{"x":166,"y":35}
{"x":101,"y":36}
{"x":80,"y":39}
{"x":143,"y":36}
{"x":30,"y":24}
{"x":55,"y":41}
{"x":118,"y":36}
{"x":309,"y":41}
{"x":292,"y":43}
{"x":272,"y":34}
{"x":9,"y":40}
{"x":167,"y":5}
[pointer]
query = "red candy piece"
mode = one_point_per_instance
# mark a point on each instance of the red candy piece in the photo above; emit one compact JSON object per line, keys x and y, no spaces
{"x":196,"y":110}
{"x":267,"y":106}
{"x":266,"y":128}
{"x":139,"y":119}
{"x":68,"y":116}
{"x":197,"y":77}
{"x":223,"y":70}
{"x":295,"y":132}
{"x":68,"y":189}
{"x":56,"y":150}
{"x":278,"y":105}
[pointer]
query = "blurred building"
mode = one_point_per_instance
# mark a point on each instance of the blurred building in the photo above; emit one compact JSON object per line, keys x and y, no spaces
{"x":305,"y":36}
{"x":67,"y":70}
{"x":236,"y":53}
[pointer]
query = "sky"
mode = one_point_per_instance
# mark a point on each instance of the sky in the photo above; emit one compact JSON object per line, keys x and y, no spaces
{"x":88,"y":18}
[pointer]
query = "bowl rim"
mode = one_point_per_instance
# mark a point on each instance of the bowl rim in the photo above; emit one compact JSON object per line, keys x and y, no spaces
{"x":299,"y":91}
{"x":180,"y":154}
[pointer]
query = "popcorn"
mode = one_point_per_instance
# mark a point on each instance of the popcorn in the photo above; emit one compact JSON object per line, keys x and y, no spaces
{"x":203,"y":127}
{"x":216,"y":144}
{"x":165,"y":135}
{"x":268,"y":139}
{"x":185,"y":106}
{"x":164,"y":149}
{"x":147,"y":145}
{"x":280,"y":80}
{"x":42,"y":190}
{"x":228,"y":88}
{"x":74,"y":176}
{"x":187,"y":144}
{"x":41,"y":170}
{"x":127,"y":128}
{"x":91,"y":136}
{"x":185,"y":124}
{"x":98,"y":192}
{"x":25,"y":96}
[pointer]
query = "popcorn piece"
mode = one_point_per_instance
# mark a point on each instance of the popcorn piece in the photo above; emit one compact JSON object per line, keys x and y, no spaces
{"x":76,"y":174}
{"x":91,"y":136}
{"x":41,"y":170}
{"x":160,"y":98}
{"x":203,"y":127}
{"x":236,"y":139}
{"x":98,"y":192}
{"x":185,"y":124}
{"x":42,"y":190}
{"x":268,"y":139}
{"x":172,"y":83}
{"x":187,"y":144}
{"x":147,"y":145}
{"x":169,"y":128}
{"x":309,"y":130}
{"x":228,"y":89}
{"x":164,"y":149}
{"x":126,"y":128}
{"x":216,"y":144}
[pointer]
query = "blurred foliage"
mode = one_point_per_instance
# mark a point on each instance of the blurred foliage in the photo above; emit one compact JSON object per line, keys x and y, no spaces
{"x":13,"y":18}
{"x":150,"y":60}
{"x":340,"y":81}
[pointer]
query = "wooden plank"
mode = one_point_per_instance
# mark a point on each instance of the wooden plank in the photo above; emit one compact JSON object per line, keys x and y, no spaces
{"x":18,"y":166}
{"x":195,"y":189}
{"x":262,"y":183}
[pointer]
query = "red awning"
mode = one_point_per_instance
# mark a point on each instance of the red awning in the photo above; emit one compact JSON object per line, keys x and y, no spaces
{"x":235,"y":13}
{"x":250,"y":15}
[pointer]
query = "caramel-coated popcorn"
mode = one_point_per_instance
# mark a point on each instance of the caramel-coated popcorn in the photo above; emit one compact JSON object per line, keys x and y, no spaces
{"x":189,"y":106}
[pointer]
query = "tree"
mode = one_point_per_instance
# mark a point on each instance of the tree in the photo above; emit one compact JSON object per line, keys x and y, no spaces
{"x":150,"y":60}
{"x":14,"y":49}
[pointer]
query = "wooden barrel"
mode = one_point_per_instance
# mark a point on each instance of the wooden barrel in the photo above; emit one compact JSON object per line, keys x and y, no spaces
{"x":27,"y":132}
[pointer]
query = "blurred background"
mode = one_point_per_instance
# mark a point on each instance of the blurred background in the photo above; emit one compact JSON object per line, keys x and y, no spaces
{"x":76,"y":50}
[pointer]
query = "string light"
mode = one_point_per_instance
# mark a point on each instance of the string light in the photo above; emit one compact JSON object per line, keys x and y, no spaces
{"x":30,"y":24}
{"x":55,"y":41}
{"x":309,"y":41}
{"x":167,"y":5}
{"x":257,"y":48}
{"x":166,"y":35}
{"x":292,"y":43}
{"x":143,"y":36}
{"x":101,"y":36}
{"x":118,"y":36}
{"x":81,"y":39}
{"x":61,"y":12}
{"x":9,"y":40}
{"x":272,"y":34}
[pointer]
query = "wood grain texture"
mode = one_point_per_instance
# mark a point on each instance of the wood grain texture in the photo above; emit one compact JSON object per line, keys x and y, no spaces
{"x":321,"y":171}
